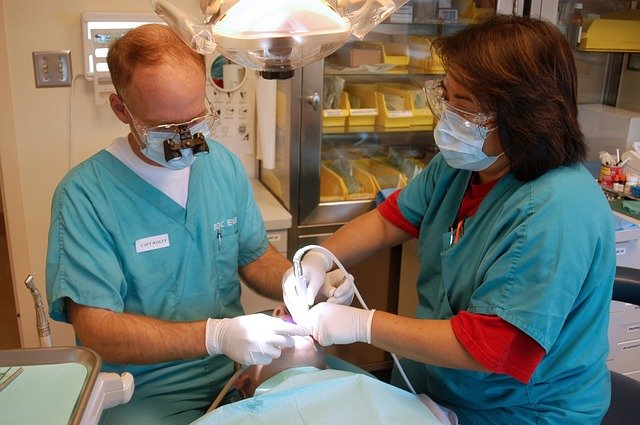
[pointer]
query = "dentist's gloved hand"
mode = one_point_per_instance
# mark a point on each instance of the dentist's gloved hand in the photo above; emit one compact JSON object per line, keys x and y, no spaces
{"x":315,"y":265}
{"x":299,"y":293}
{"x":252,"y":339}
{"x":339,"y":324}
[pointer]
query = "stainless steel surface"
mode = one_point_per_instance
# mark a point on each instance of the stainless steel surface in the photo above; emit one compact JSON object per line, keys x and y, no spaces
{"x":313,"y":100}
{"x":310,"y":142}
{"x":59,"y":355}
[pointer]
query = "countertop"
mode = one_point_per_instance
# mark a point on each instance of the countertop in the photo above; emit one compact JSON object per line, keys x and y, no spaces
{"x":275,"y":216}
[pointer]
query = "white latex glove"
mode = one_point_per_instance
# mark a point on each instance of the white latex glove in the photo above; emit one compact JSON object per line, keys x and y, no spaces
{"x":339,"y":324}
{"x":252,"y":339}
{"x":337,"y":288}
{"x":315,"y":265}
{"x":299,"y":293}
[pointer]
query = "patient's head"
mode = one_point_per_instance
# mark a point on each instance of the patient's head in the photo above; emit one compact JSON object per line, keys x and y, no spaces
{"x":306,"y":352}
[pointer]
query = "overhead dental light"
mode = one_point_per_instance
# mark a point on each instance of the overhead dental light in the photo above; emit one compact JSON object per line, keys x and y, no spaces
{"x":275,"y":36}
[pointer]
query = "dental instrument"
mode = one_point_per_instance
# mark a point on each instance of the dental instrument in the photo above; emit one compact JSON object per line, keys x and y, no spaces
{"x":44,"y":331}
{"x":109,"y":390}
{"x":4,"y":382}
{"x":302,"y":282}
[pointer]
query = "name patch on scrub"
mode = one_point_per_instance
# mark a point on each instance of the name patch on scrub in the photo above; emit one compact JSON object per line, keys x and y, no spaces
{"x":152,"y":242}
{"x":230,"y":222}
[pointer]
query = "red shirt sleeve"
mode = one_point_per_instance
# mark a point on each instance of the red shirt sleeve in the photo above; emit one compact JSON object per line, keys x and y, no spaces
{"x":498,"y":345}
{"x":391,"y":212}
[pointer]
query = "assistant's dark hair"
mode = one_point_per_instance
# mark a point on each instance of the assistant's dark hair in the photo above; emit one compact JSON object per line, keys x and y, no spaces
{"x":522,"y":70}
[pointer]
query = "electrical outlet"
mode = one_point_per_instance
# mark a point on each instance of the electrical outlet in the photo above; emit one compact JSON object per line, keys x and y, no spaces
{"x":52,"y":69}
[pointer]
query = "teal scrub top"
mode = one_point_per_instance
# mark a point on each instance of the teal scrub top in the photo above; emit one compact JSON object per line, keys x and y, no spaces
{"x":118,"y":243}
{"x":540,"y":255}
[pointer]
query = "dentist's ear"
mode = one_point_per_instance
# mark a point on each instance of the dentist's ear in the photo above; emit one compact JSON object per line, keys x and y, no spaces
{"x":118,"y":108}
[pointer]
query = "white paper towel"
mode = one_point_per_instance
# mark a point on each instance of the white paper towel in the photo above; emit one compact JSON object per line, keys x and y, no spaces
{"x":266,"y":122}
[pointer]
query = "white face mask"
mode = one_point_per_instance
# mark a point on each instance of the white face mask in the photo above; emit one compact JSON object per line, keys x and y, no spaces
{"x":154,"y":149}
{"x":461,"y":142}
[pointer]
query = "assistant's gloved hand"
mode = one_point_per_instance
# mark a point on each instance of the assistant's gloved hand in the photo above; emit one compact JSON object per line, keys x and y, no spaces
{"x":252,"y":339}
{"x":337,"y":288}
{"x":339,"y":324}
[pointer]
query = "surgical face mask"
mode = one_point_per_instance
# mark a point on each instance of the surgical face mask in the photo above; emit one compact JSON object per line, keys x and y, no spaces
{"x":175,"y":146}
{"x":155,"y":147}
{"x":461,"y":142}
{"x":460,"y":134}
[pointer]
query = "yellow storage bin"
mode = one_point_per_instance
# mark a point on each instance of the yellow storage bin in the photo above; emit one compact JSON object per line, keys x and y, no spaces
{"x":393,"y":118}
{"x":369,"y":185}
{"x":475,"y":14}
{"x":395,"y":53}
{"x":420,"y":55}
{"x":333,"y":187}
{"x":386,"y":177}
{"x":422,"y":115}
{"x":612,"y":35}
{"x":336,"y":117}
{"x":366,"y":114}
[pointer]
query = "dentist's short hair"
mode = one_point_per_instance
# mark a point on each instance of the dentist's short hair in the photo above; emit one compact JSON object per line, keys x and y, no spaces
{"x":148,"y":45}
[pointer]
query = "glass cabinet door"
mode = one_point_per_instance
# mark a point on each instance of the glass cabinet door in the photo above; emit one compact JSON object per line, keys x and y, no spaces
{"x":377,"y":130}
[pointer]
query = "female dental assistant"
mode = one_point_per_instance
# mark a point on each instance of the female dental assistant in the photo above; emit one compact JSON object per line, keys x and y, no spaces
{"x":516,"y":241}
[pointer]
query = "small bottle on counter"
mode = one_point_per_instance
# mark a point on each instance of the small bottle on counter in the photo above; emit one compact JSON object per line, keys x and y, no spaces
{"x":616,"y":184}
{"x":574,"y":33}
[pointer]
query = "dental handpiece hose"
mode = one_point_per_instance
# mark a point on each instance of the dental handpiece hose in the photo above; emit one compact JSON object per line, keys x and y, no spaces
{"x":302,"y":285}
{"x":42,"y":324}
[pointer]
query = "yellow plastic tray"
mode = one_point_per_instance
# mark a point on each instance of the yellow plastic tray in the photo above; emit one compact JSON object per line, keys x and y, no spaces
{"x":395,"y":53}
{"x":397,"y":118}
{"x":422,"y":57}
{"x":336,"y":117}
{"x":333,"y":187}
{"x":612,"y":35}
{"x":365,"y":116}
{"x":386,"y":177}
{"x":421,"y":116}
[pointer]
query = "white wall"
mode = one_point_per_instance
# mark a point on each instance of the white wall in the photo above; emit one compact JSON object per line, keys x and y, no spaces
{"x":36,"y":149}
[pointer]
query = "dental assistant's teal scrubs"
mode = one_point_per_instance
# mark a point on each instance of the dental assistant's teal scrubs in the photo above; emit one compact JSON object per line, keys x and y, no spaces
{"x":540,"y":255}
{"x":118,"y":243}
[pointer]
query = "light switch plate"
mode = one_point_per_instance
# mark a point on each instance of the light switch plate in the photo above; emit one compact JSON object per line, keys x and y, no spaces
{"x":52,"y":69}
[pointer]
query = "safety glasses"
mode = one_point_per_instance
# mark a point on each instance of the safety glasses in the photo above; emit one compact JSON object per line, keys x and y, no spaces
{"x":173,"y":132}
{"x":434,"y":91}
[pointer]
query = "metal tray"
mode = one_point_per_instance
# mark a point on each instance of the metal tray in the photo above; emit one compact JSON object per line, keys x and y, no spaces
{"x":59,"y":355}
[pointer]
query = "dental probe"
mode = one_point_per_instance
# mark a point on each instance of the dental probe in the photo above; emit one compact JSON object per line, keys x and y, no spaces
{"x":44,"y":331}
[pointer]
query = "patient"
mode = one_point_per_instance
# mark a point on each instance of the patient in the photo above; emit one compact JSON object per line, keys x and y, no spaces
{"x":299,"y":387}
{"x":306,"y":352}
